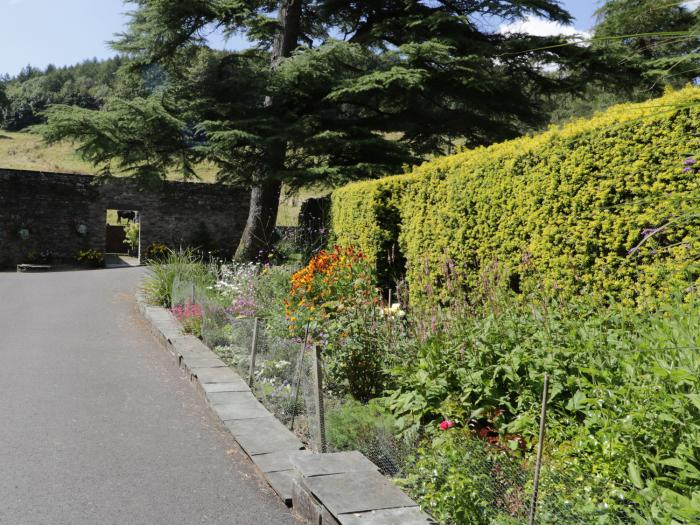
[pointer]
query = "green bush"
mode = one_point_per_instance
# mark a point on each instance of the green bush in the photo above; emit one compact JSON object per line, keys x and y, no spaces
{"x":561,"y":209}
{"x":369,"y":428}
{"x":91,"y":258}
{"x":183,"y":265}
{"x":461,"y":480}
{"x":271,"y":290}
{"x":132,"y":235}
{"x":157,"y":251}
{"x":624,"y":408}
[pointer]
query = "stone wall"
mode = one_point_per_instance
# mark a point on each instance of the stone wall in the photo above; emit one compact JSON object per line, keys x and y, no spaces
{"x":65,"y":213}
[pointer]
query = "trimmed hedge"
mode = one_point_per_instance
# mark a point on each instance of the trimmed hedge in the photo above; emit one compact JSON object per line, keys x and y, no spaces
{"x":367,"y":215}
{"x":561,"y":209}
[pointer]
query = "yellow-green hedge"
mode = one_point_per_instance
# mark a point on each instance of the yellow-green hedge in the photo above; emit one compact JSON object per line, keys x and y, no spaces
{"x":367,"y":215}
{"x":560,"y":209}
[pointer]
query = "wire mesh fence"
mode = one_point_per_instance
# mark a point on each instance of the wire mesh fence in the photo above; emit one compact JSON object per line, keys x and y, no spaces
{"x":496,"y":482}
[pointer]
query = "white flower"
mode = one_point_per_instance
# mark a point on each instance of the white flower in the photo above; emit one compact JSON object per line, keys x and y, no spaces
{"x":392,"y":311}
{"x":82,"y":229}
{"x":24,"y":234}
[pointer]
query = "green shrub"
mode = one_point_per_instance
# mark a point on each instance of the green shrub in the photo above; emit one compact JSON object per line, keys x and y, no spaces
{"x":461,"y":480}
{"x":272,"y":287}
{"x":624,"y":411}
{"x":132,"y":235}
{"x":369,"y":428}
{"x":157,"y":251}
{"x":314,"y":225}
{"x":561,"y":209}
{"x":184,"y":266}
{"x":91,"y":258}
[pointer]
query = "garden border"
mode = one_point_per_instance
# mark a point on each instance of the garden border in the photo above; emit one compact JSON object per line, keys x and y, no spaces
{"x":324,"y":489}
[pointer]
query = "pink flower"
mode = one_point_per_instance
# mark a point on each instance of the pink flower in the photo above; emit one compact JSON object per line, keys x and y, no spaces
{"x":446,"y":424}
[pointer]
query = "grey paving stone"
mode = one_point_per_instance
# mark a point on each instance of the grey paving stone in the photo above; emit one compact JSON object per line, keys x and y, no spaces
{"x":236,"y":386}
{"x":305,"y":505}
{"x":281,"y":482}
{"x":184,"y":357}
{"x":170,"y":332}
{"x":327,"y":518}
{"x":209,"y":361}
{"x":190,"y":343}
{"x":275,"y":461}
{"x":240,"y":405}
{"x":404,"y":516}
{"x":178,"y":341}
{"x":357,"y":492}
{"x":223,"y":398}
{"x":263,"y":435}
{"x":216,"y":375}
{"x":335,"y":463}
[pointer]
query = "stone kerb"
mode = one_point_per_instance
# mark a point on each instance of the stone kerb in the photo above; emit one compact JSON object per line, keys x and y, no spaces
{"x":338,"y":488}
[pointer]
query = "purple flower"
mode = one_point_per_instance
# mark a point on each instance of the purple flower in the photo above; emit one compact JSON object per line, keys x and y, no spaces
{"x":689,"y":161}
{"x":648,"y":232}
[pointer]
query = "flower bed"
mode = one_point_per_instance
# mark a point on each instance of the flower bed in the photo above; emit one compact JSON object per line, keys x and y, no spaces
{"x":446,"y":400}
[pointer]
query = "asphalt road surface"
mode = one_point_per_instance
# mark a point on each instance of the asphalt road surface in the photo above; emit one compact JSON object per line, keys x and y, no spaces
{"x":98,"y":425}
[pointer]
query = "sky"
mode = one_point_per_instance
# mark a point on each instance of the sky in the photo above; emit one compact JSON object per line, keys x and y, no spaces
{"x":63,"y":32}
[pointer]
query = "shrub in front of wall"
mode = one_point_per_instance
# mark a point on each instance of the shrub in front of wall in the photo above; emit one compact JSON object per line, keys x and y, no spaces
{"x":157,"y":252}
{"x":565,"y":209}
{"x":91,"y":258}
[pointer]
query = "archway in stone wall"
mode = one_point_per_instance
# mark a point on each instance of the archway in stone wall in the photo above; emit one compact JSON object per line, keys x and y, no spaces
{"x":122,"y":237}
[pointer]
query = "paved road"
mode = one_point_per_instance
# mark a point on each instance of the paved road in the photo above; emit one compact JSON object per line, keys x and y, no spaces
{"x":97,"y":424}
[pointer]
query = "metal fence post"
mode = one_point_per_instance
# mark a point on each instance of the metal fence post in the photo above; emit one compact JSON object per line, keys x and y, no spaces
{"x":192,"y":294}
{"x":253,"y":353}
{"x":300,"y":368}
{"x":318,"y":394}
{"x":540,"y":446}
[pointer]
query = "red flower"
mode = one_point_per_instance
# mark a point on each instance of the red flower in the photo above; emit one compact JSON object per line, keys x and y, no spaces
{"x":446,"y":424}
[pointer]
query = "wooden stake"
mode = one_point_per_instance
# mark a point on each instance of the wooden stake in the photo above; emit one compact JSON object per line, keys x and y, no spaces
{"x":540,"y":446}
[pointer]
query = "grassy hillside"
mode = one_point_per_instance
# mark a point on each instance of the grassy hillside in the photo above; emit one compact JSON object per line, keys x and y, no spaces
{"x":25,"y":151}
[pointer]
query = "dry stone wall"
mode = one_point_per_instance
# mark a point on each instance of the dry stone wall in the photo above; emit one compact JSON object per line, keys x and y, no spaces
{"x":62,"y":214}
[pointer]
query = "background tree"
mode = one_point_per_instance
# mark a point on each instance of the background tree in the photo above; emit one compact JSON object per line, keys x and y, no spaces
{"x":657,"y":41}
{"x":85,"y":85}
{"x":3,"y":97}
{"x":328,"y":91}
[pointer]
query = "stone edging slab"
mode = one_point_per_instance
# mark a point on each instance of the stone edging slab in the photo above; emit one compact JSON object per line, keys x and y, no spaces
{"x":329,"y":489}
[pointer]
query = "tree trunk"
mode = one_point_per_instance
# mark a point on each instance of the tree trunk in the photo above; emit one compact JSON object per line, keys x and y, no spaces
{"x":256,"y":242}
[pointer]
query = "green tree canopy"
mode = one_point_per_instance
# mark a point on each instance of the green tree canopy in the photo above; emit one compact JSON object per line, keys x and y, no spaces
{"x":85,"y":85}
{"x":657,"y":41}
{"x":328,"y":91}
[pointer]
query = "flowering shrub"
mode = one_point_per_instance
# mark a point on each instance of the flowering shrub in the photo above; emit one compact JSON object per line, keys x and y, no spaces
{"x":236,"y":283}
{"x":329,"y":284}
{"x":446,"y":424}
{"x":337,"y":295}
{"x":190,"y":317}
